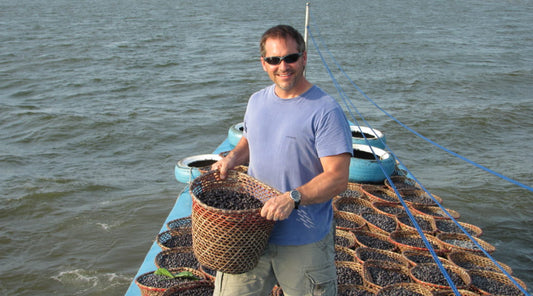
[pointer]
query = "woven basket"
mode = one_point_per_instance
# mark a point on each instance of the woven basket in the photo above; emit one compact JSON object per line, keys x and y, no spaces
{"x":495,"y":283}
{"x":198,"y":288}
{"x":435,"y":211}
{"x":170,"y":239}
{"x":391,"y":209}
{"x":407,"y":240}
{"x":449,"y":226}
{"x":241,"y":168}
{"x":356,"y":290}
{"x":365,"y":253}
{"x":230,"y":241}
{"x":353,"y":190}
{"x":373,"y":240}
{"x":276,"y":291}
{"x":402,"y":182}
{"x":159,"y":291}
{"x":461,"y":242}
{"x":439,"y":281}
{"x":418,"y":197}
{"x":375,"y":221}
{"x":417,"y":257}
{"x":348,"y":221}
{"x":449,"y":292}
{"x":426,"y":223}
{"x":356,"y":273}
{"x":345,"y":254}
{"x":345,"y":238}
{"x":391,"y":273}
{"x":174,"y":258}
{"x":178,"y":225}
{"x":379,"y":193}
{"x":470,"y":261}
{"x":209,"y":273}
{"x":412,"y":289}
{"x":352,"y":205}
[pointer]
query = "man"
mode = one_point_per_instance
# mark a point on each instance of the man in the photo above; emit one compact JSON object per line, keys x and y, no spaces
{"x":296,"y":139}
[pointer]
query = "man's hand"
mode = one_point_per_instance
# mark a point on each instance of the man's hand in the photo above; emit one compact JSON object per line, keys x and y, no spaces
{"x":237,"y":156}
{"x":222,"y":166}
{"x":278,"y":208}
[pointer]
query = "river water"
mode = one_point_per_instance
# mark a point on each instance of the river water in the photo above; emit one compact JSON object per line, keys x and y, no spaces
{"x":100,"y":99}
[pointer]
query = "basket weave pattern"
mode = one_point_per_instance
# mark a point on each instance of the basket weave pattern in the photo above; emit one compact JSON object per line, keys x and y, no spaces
{"x":159,"y":291}
{"x":230,"y":241}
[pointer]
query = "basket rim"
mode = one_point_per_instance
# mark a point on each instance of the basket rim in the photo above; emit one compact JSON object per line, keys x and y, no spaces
{"x":189,"y":285}
{"x":184,"y":249}
{"x":443,"y":260}
{"x":477,"y":231}
{"x":425,"y":217}
{"x":374,"y":234}
{"x":453,"y":213}
{"x":349,"y":199}
{"x":463,"y":273}
{"x":369,"y":189}
{"x":356,"y":265}
{"x":170,"y":233}
{"x":169,"y":223}
{"x":352,"y":217}
{"x":208,"y":276}
{"x":398,"y":256}
{"x":143,"y":286}
{"x":485,"y":245}
{"x":349,"y":235}
{"x":231,"y":176}
{"x":377,"y":203}
{"x":339,"y":248}
{"x":371,"y":233}
{"x":402,"y":179}
{"x":353,"y":187}
{"x":429,"y":237}
{"x":498,"y":276}
{"x":435,"y":200}
{"x":456,"y":256}
{"x":389,"y":266}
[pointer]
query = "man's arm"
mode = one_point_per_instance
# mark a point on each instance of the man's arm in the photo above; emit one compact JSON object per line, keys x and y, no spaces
{"x":331,"y":182}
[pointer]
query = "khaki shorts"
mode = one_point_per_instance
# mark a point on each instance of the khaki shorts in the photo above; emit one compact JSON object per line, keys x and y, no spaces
{"x":299,"y":270}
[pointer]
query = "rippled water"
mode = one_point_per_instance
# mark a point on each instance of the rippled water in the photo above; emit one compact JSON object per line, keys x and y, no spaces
{"x":99,"y":99}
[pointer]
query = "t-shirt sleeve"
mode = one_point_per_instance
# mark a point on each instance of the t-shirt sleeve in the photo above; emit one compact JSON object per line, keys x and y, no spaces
{"x":333,"y":135}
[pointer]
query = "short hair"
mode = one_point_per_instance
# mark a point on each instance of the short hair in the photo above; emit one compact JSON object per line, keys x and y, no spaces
{"x":283,"y":32}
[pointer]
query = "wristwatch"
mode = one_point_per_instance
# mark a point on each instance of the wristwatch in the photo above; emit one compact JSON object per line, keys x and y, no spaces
{"x":296,"y":196}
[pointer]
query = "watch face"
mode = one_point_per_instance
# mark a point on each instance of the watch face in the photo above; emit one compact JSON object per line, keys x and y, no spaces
{"x":295,"y":195}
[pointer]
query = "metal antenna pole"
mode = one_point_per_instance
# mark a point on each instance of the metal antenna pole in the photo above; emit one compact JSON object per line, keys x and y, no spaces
{"x":306,"y":33}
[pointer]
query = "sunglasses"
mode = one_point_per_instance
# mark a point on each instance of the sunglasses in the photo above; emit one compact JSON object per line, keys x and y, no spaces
{"x":289,"y":59}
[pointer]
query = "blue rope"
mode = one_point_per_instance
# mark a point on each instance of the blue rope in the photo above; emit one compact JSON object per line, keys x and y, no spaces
{"x":349,"y":103}
{"x":418,"y":229}
{"x":425,"y":138}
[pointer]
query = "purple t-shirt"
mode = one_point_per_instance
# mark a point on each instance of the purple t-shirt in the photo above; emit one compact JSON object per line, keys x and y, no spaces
{"x":286,"y":139}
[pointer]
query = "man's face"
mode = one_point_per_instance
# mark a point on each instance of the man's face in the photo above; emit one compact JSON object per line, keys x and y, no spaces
{"x":288,"y":77}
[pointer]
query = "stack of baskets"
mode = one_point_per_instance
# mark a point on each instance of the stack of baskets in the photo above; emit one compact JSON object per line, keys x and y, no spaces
{"x":385,"y":255}
{"x":371,"y":259}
